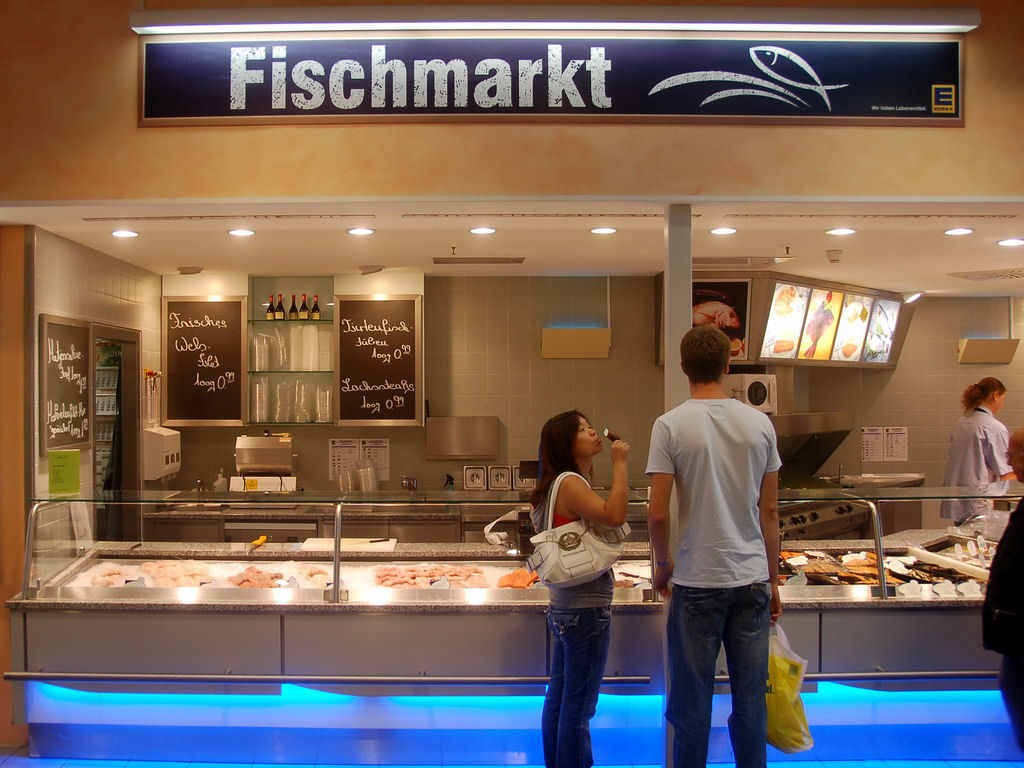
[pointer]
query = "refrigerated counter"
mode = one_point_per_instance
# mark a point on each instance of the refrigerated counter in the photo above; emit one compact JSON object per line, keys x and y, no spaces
{"x":356,"y":666}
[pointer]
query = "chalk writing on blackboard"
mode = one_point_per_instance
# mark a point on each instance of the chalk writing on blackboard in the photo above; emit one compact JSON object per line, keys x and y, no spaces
{"x":379,"y":371}
{"x":64,"y":377}
{"x":204,"y":360}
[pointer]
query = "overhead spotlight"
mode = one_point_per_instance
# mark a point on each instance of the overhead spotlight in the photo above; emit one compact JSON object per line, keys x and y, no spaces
{"x":911,"y":296}
{"x":834,"y":254}
{"x":369,"y":269}
{"x":723,"y":231}
{"x":483,"y":230}
{"x":603,"y":231}
{"x":189,"y":270}
{"x":124,"y":233}
{"x":360,"y":231}
{"x":841,"y":231}
{"x":241,"y":232}
{"x":959,"y":231}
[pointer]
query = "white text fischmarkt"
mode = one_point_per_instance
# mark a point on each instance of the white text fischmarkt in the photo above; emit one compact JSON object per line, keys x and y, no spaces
{"x":434,"y":83}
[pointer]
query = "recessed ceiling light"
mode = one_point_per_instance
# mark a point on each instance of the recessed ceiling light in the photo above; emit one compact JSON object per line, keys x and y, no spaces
{"x":959,"y":231}
{"x":361,"y":231}
{"x":1011,"y":242}
{"x":241,"y":232}
{"x":483,"y":230}
{"x":841,"y":231}
{"x":603,"y":231}
{"x":124,"y":233}
{"x":723,"y":231}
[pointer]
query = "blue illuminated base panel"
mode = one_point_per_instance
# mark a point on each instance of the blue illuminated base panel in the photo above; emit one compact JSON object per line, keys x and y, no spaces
{"x":296,"y":724}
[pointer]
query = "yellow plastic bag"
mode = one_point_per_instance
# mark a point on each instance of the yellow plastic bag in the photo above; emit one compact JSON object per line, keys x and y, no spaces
{"x":787,"y":722}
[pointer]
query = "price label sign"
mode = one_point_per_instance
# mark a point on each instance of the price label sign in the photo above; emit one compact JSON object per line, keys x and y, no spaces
{"x":379,"y":371}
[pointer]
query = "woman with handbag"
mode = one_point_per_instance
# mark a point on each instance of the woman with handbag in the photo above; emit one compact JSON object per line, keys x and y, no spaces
{"x":579,"y":616}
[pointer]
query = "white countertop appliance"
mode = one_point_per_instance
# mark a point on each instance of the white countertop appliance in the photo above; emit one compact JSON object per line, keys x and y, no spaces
{"x":263,"y":463}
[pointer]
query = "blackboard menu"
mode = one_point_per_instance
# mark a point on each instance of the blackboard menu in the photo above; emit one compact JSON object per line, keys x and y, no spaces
{"x":64,"y":365}
{"x":379,"y":369}
{"x":203,"y":361}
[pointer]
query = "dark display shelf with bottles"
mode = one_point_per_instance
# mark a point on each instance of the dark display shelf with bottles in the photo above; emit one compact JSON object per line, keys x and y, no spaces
{"x":291,"y":363}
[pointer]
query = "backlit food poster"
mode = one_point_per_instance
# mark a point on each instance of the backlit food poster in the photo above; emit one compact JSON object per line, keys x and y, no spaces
{"x":853,"y":325}
{"x":785,"y":321}
{"x":881,"y":329}
{"x":820,"y":325}
{"x":726,"y":304}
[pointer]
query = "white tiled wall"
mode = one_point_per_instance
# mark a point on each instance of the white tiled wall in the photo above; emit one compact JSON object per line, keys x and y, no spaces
{"x":923,"y":392}
{"x":74,"y":281}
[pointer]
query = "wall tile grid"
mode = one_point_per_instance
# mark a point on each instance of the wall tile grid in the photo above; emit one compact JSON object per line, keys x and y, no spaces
{"x":74,"y":281}
{"x":923,"y":393}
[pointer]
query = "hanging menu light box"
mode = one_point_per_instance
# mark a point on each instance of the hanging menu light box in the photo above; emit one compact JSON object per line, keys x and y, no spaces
{"x":66,"y":392}
{"x":807,"y":324}
{"x":379,"y":373}
{"x":203,"y":361}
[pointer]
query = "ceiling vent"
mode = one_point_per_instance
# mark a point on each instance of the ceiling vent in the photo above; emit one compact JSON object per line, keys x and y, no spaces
{"x":741,"y":262}
{"x":479,"y":259}
{"x":991,"y":274}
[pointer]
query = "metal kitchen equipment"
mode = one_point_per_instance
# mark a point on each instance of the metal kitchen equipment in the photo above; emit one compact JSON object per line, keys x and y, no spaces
{"x":263,"y":463}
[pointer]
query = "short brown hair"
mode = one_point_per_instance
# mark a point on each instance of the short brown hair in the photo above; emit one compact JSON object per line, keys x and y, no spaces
{"x":704,"y":352}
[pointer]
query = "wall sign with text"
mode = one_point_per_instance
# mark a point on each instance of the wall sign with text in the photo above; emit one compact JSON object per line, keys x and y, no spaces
{"x":720,"y":80}
{"x":65,"y":398}
{"x":204,"y":361}
{"x":379,"y":372}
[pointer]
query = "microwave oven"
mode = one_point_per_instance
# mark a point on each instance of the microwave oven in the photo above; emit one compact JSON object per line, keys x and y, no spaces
{"x":758,"y":390}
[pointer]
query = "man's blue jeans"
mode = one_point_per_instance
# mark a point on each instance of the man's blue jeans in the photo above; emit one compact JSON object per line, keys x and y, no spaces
{"x":700,"y":621}
{"x":581,"y":640}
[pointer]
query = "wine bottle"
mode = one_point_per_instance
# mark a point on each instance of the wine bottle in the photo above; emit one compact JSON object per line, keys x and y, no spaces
{"x":314,"y":313}
{"x":304,"y":309}
{"x":293,"y":311}
{"x":270,"y":308}
{"x":279,"y":309}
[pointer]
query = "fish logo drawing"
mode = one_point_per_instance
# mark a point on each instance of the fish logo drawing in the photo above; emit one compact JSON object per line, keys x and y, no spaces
{"x":768,"y":59}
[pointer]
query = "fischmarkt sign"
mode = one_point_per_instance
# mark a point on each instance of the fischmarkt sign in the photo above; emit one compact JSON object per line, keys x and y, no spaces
{"x":551,"y":79}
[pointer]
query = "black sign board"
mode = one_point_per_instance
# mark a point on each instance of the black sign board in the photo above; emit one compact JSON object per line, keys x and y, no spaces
{"x":65,"y":364}
{"x":379,"y":368}
{"x":771,"y":79}
{"x":204,"y":361}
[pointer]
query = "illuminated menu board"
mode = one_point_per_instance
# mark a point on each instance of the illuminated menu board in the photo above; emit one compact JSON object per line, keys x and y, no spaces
{"x":881,"y":331}
{"x":853,"y":326}
{"x":820,"y":326}
{"x":785,"y":321}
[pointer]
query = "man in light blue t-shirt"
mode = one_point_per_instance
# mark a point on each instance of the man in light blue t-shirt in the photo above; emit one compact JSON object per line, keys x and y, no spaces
{"x":721,"y":458}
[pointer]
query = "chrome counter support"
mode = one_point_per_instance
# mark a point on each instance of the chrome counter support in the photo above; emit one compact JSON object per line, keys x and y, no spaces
{"x":876,"y":529}
{"x":336,"y":589}
{"x":112,"y":677}
{"x":30,"y":543}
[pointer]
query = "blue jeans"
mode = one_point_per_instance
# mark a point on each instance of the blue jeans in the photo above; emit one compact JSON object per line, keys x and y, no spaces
{"x":581,"y":640}
{"x":700,"y":621}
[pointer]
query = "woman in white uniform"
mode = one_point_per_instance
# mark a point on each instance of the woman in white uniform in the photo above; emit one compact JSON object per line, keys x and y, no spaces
{"x":978,"y":450}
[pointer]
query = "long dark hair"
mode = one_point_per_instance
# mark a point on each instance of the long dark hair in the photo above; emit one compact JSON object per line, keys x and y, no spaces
{"x":557,"y":440}
{"x":976,"y":394}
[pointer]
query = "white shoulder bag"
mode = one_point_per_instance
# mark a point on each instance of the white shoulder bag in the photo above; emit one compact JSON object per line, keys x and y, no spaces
{"x":576,"y":552}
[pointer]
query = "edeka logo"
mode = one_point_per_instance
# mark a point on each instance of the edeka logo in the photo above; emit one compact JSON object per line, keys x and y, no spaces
{"x":944,"y":98}
{"x":347,"y":83}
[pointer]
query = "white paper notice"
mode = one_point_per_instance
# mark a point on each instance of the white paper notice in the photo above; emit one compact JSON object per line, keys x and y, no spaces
{"x":895,"y":444}
{"x":871,"y":445}
{"x":378,"y":453}
{"x":344,"y":456}
{"x":81,"y":523}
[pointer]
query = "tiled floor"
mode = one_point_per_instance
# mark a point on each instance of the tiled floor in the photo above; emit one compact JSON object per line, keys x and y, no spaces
{"x":17,"y":757}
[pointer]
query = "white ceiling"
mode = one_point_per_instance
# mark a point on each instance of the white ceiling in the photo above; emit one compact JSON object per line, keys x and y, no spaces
{"x":898,"y":246}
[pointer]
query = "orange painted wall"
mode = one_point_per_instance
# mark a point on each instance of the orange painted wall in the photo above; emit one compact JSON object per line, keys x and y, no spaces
{"x":12,"y":456}
{"x":69,"y":90}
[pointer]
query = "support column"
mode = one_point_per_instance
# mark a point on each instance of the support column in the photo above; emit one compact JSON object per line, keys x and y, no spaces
{"x":678,"y":299}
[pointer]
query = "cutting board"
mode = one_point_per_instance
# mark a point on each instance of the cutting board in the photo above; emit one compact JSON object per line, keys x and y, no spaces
{"x":366,"y":545}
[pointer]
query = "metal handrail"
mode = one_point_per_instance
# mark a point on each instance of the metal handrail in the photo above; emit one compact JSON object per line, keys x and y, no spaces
{"x":110,"y":677}
{"x":30,"y":543}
